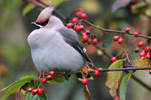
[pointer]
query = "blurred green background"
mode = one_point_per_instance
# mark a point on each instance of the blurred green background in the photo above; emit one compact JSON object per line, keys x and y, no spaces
{"x":15,"y":58}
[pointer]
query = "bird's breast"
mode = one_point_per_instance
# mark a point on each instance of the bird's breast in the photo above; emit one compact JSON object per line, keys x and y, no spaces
{"x":49,"y":51}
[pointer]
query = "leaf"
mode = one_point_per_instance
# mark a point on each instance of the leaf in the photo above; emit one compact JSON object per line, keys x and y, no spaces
{"x":87,"y":93}
{"x":90,"y":6}
{"x":29,"y":95}
{"x":140,"y":7}
{"x":27,"y":9}
{"x":141,"y":63}
{"x":54,"y":2}
{"x":57,"y":80}
{"x":148,"y":11}
{"x":13,"y":88}
{"x":123,"y":85}
{"x":16,"y":85}
{"x":119,"y":4}
{"x":23,"y":79}
{"x":113,"y":78}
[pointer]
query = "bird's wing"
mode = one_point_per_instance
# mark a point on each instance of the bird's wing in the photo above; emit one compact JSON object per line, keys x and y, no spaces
{"x":71,"y":37}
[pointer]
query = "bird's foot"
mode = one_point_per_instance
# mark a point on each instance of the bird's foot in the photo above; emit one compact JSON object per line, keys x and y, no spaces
{"x":67,"y":74}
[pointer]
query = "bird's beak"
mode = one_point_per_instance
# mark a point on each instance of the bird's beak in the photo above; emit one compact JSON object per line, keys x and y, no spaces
{"x":36,"y":25}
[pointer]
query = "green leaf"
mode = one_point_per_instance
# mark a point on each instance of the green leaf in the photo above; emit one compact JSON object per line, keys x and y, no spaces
{"x":29,"y":95}
{"x":13,"y":88}
{"x":123,"y":86}
{"x":28,"y":8}
{"x":23,"y":79}
{"x":140,"y":7}
{"x":17,"y":85}
{"x":148,"y":11}
{"x":57,"y":80}
{"x":113,"y":77}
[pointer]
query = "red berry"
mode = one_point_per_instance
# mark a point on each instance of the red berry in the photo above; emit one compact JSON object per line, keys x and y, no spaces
{"x":81,"y":27}
{"x":34,"y":91}
{"x":116,"y":98}
{"x":84,"y":34}
{"x":95,"y":41}
{"x":83,"y":15}
{"x":141,"y":44}
{"x":74,"y":19}
{"x":85,"y":38}
{"x":44,"y":80}
{"x":135,"y":34}
{"x":116,"y":38}
{"x":78,"y":28}
{"x":48,"y":77}
{"x":69,"y":25}
{"x":139,"y":31}
{"x":87,"y":32}
{"x":84,"y":41}
{"x":127,"y":30}
{"x":84,"y":81}
{"x":75,"y":27}
{"x":143,"y":57}
{"x":148,"y":56}
{"x":52,"y":73}
{"x":142,"y":53}
{"x":132,"y":7}
{"x":99,"y":69}
{"x":113,"y":59}
{"x":30,"y":89}
{"x":120,"y":41}
{"x":89,"y":41}
{"x":78,"y":14}
{"x":96,"y":73}
{"x":149,"y":71}
{"x":136,"y":50}
{"x":147,"y":49}
{"x":39,"y":91}
{"x":43,"y":89}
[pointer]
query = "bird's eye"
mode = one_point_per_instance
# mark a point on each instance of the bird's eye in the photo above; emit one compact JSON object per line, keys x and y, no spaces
{"x":45,"y":23}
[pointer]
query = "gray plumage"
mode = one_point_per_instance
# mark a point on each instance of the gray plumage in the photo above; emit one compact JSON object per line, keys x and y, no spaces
{"x":55,"y":47}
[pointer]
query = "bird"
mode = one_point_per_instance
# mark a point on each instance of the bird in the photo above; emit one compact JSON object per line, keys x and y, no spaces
{"x":54,"y":46}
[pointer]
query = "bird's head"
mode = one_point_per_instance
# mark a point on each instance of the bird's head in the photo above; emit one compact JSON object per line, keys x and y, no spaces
{"x":43,"y":18}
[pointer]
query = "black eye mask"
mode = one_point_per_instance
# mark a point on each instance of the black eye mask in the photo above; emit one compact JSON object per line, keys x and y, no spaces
{"x":38,"y":25}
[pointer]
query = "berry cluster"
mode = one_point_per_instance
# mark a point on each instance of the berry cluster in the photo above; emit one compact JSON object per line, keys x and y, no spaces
{"x":96,"y":73}
{"x":126,"y":30}
{"x":145,"y":53}
{"x":48,"y":77}
{"x":38,"y":91}
{"x":87,"y":35}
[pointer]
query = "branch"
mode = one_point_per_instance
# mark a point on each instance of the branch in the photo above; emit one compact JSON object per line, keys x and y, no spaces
{"x":106,"y":70}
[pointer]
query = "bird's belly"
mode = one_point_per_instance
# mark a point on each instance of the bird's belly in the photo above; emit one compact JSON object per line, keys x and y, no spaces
{"x":57,"y":59}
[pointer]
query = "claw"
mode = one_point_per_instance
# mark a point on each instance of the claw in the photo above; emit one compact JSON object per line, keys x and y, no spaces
{"x":67,"y":74}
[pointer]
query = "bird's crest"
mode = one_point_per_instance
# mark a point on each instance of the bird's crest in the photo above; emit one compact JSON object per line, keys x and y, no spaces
{"x":45,"y":15}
